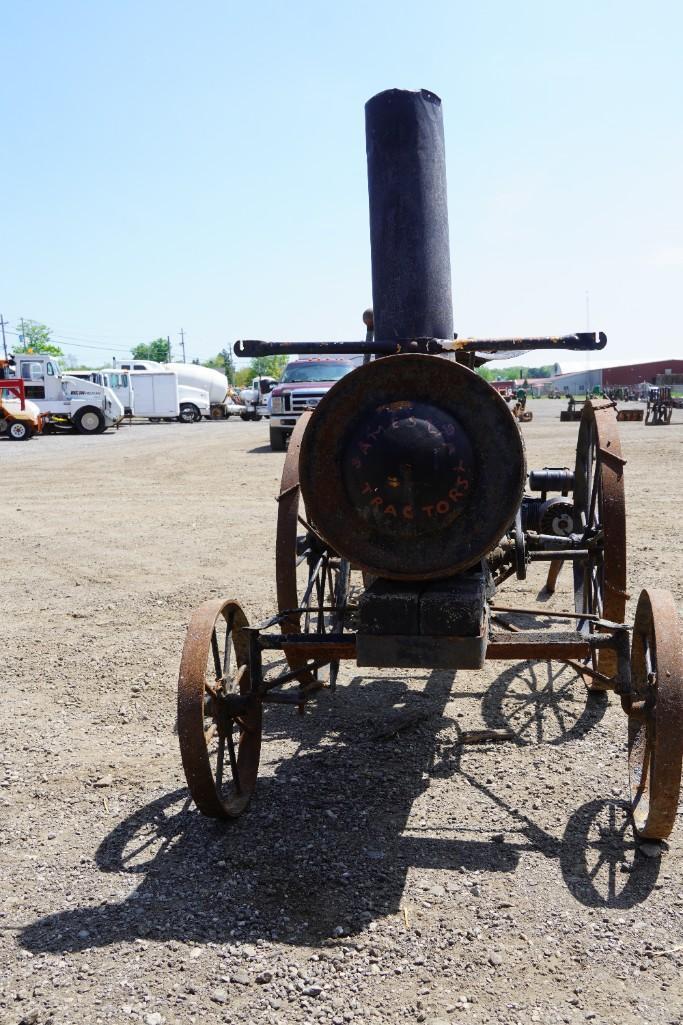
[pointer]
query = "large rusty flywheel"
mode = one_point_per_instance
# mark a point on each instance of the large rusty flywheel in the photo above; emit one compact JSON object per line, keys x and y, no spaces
{"x":412,"y":467}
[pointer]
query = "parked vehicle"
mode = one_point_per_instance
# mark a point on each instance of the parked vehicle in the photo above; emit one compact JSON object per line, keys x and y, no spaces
{"x":302,"y":386}
{"x":153,"y":394}
{"x":256,"y":398}
{"x":158,"y":394}
{"x":118,"y":381}
{"x":191,"y":375}
{"x":20,"y":418}
{"x":64,"y":400}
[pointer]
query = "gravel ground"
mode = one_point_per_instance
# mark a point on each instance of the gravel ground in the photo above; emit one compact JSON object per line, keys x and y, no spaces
{"x":372,"y":880}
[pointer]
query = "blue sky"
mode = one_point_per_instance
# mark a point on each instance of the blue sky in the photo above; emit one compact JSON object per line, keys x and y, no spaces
{"x":202,"y":166}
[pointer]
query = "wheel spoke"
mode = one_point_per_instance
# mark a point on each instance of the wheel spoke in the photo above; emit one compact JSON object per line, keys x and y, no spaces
{"x":227,"y":647}
{"x":595,"y":491}
{"x":216,"y":654}
{"x":220,"y":756}
{"x":233,"y":760}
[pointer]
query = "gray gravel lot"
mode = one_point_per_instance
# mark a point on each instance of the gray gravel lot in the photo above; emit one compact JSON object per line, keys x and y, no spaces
{"x":410,"y":878}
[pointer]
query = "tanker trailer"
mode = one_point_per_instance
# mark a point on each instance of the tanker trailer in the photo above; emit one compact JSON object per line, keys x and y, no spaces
{"x":405,"y":504}
{"x":194,"y":376}
{"x":210,"y":380}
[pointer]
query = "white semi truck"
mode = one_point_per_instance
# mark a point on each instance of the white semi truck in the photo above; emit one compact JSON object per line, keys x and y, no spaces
{"x":64,"y":400}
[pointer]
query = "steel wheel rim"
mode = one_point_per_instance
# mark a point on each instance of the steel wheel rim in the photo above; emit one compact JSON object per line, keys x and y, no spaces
{"x":655,"y":735}
{"x":18,"y":431}
{"x":220,"y":751}
{"x":600,"y":580}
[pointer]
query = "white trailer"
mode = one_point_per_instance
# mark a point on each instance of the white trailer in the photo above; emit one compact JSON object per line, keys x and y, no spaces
{"x":153,"y":394}
{"x":192,"y":375}
{"x":157,"y":394}
{"x":65,"y":400}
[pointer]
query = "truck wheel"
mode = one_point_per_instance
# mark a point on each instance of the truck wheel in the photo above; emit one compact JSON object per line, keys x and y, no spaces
{"x":89,"y":421}
{"x":189,"y":413}
{"x":278,"y":439}
{"x":245,"y":416}
{"x":20,"y":431}
{"x":217,"y":413}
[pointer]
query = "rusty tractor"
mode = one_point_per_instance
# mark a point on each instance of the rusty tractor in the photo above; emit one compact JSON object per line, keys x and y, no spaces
{"x":659,"y":406}
{"x":404,"y":506}
{"x":574,"y":412}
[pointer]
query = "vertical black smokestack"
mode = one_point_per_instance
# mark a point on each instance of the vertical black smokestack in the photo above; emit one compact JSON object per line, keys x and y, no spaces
{"x":411,"y":267}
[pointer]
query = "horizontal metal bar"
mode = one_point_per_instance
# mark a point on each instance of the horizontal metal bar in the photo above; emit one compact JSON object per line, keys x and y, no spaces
{"x":543,"y":612}
{"x":319,"y":646}
{"x":562,"y":553}
{"x":538,"y":644}
{"x":252,"y":348}
{"x":553,"y":539}
{"x":582,"y":341}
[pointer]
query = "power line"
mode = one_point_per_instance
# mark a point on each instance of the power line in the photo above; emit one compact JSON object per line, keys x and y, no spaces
{"x":75,"y":345}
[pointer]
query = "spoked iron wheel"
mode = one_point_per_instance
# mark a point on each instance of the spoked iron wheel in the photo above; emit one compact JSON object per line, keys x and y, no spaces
{"x":655,"y":721}
{"x":600,"y":517}
{"x":308,"y":575}
{"x":219,"y":724}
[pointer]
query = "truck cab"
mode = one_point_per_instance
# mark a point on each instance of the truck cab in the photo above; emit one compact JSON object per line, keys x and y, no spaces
{"x":256,"y":398}
{"x":117,"y":380}
{"x":301,"y":387}
{"x":64,"y":400}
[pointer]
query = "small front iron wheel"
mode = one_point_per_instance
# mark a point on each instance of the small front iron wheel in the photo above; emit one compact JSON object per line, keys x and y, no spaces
{"x":219,"y":720}
{"x":655,"y":715}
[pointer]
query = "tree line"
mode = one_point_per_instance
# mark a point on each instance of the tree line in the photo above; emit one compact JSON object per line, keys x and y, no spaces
{"x":36,"y":337}
{"x":519,"y":373}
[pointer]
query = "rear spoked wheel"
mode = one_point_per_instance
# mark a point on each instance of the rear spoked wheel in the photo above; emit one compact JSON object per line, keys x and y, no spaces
{"x":219,"y":719}
{"x":308,"y":574}
{"x":655,"y":715}
{"x":600,"y":518}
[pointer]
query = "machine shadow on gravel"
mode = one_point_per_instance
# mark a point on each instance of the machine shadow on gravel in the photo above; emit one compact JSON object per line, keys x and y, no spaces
{"x":321,"y":853}
{"x":542,"y":703}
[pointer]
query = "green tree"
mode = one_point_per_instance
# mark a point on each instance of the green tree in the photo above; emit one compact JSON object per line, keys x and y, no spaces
{"x":515,"y":373}
{"x":263,"y":366}
{"x":268,"y":366}
{"x":224,"y":362}
{"x":35,"y":337}
{"x":158,"y":350}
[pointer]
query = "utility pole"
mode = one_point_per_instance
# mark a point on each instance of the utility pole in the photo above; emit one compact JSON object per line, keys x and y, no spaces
{"x":182,"y":343}
{"x":2,"y":325}
{"x":23,"y":333}
{"x":168,"y":341}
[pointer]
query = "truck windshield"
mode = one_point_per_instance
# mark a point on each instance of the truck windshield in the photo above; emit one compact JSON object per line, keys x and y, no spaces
{"x":323,"y":371}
